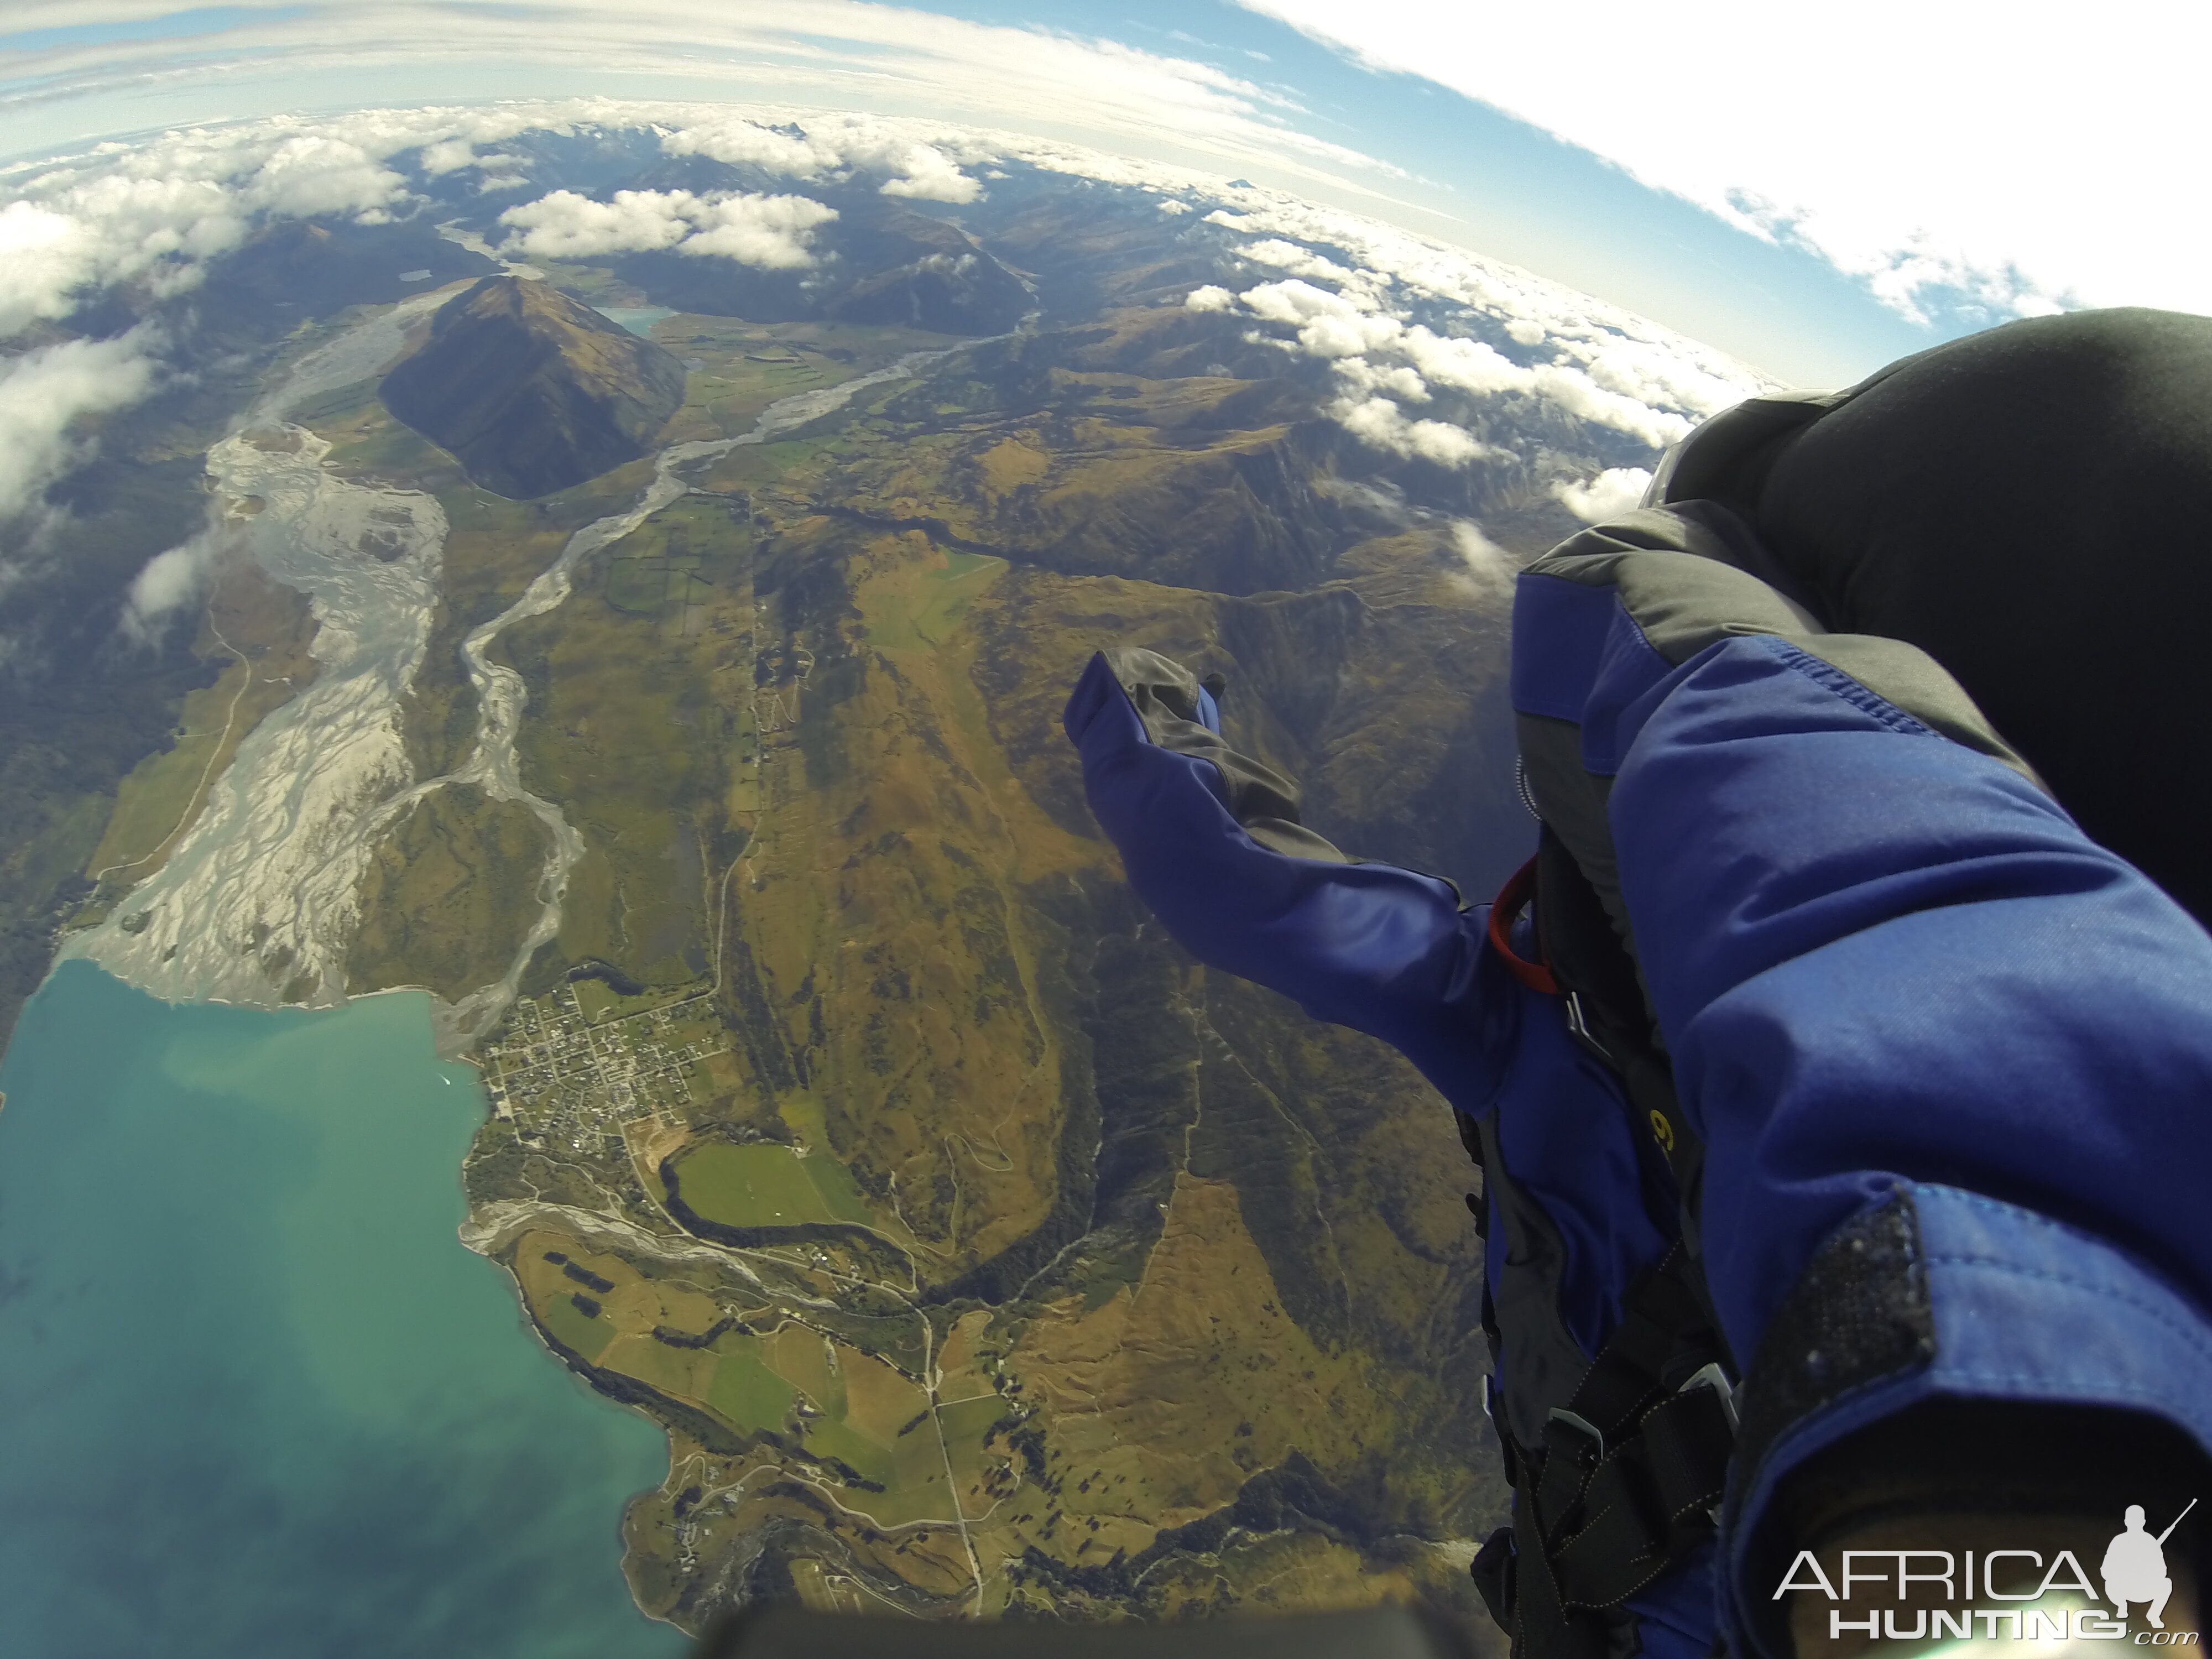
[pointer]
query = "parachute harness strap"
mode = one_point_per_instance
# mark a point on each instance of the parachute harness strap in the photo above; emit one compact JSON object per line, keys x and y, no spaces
{"x":1627,"y":1476}
{"x":1630,"y":1473}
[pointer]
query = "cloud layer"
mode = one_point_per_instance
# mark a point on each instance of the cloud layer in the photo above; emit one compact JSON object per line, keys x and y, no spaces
{"x":155,"y":213}
{"x":771,"y":232}
{"x":1422,"y":343}
{"x":1399,"y":319}
{"x":835,"y":53}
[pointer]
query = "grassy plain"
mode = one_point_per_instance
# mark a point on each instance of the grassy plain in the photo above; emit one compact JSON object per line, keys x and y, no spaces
{"x":1202,"y":1337}
{"x":633,"y":733}
{"x":918,"y":606}
{"x":768,"y":1185}
{"x":895,"y":878}
{"x":599,"y":1002}
{"x":445,"y":892}
{"x":743,"y":368}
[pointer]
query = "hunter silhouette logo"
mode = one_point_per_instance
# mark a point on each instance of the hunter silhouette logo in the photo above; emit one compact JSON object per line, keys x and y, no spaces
{"x":2134,"y":1566}
{"x":2133,"y":1570}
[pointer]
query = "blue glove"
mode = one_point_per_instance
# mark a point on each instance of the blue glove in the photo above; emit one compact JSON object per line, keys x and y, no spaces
{"x":1211,"y":841}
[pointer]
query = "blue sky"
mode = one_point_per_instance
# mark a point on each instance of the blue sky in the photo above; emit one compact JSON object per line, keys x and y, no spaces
{"x":1815,"y":231}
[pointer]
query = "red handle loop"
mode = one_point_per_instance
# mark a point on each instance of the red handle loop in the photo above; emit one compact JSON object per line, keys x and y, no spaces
{"x":1503,"y":912}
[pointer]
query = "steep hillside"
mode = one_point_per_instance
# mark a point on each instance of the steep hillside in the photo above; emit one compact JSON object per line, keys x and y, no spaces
{"x":532,"y":391}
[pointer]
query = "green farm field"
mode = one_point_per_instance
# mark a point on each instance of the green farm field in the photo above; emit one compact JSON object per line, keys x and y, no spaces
{"x":921,"y":611}
{"x":814,"y":1394}
{"x":767,"y":1185}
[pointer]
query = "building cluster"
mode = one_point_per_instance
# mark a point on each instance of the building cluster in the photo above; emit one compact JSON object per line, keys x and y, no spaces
{"x":566,"y":1080}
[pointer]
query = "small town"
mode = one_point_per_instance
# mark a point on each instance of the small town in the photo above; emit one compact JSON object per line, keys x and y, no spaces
{"x":565,"y":1077}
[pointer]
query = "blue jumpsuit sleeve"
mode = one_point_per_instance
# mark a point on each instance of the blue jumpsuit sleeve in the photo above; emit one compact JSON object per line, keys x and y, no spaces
{"x":1879,"y":957}
{"x":1392,"y":953}
{"x":1382,"y":950}
{"x":1895,"y":977}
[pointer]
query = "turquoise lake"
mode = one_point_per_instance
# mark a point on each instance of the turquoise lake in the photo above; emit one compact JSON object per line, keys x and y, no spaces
{"x":255,"y":1397}
{"x":638,"y":319}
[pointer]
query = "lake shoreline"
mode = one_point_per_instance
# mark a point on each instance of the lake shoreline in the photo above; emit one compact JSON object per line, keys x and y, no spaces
{"x":337,"y":1424}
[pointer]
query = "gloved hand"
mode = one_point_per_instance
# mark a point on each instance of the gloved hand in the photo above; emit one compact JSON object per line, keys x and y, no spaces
{"x":1180,"y":713}
{"x":1211,"y":841}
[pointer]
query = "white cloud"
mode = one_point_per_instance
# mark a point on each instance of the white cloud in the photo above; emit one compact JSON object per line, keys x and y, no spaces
{"x":2009,"y":163}
{"x":1399,"y":382}
{"x":170,"y":580}
{"x":829,"y":52}
{"x":1298,"y":261}
{"x":448,"y":156}
{"x":45,"y":393}
{"x":1328,"y":325}
{"x":2009,"y":167}
{"x":1489,"y":568}
{"x":741,"y":142}
{"x":925,"y":174}
{"x":1427,"y":274}
{"x":768,"y":231}
{"x":567,"y":225}
{"x":1335,"y":327}
{"x":1609,"y":494}
{"x":1650,"y":372}
{"x":1396,"y":315}
{"x":1576,"y":393}
{"x":1381,"y":424}
{"x":111,"y":229}
{"x":309,"y":173}
{"x":45,"y":258}
{"x":1469,"y":365}
{"x":154,"y":212}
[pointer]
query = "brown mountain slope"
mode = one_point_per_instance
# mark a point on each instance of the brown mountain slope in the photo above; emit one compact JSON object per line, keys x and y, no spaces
{"x":531,"y":392}
{"x":1063,"y":1276}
